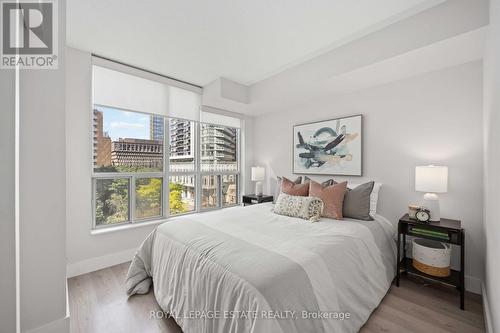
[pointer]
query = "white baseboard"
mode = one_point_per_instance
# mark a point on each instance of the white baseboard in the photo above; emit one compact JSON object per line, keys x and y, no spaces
{"x":94,"y":264}
{"x":57,"y":326}
{"x":486,"y":311}
{"x":473,"y":284}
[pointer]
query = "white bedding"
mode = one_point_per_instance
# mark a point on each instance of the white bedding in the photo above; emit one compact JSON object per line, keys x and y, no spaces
{"x":246,"y":269}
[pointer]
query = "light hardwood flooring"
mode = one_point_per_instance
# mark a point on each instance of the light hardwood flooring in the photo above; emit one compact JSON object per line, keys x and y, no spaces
{"x":98,"y":304}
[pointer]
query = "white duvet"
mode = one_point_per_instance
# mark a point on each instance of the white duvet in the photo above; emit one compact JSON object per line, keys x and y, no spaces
{"x":246,"y":269}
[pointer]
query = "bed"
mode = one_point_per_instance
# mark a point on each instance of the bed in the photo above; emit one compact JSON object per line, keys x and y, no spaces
{"x":246,"y":269}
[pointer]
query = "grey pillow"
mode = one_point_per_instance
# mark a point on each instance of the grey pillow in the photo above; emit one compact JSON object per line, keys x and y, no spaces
{"x":325,"y":183}
{"x":357,"y":202}
{"x":277,"y":190}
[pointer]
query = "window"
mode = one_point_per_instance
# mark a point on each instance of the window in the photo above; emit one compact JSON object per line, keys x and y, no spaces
{"x":128,"y":166}
{"x":219,"y":165}
{"x":209,"y":195}
{"x":182,"y":194}
{"x":181,"y":142}
{"x":218,"y":148}
{"x":127,"y":141}
{"x":182,"y":166}
{"x":111,"y":201}
{"x":148,"y":197}
{"x":149,"y":166}
{"x":229,"y":187}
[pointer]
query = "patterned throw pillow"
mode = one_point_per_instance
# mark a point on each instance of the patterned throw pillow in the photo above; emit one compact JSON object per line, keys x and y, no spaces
{"x":307,"y":208}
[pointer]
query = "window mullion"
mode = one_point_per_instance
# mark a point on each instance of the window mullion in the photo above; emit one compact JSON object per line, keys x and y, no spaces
{"x":131,"y":199}
{"x":238,"y":189}
{"x":166,"y":167}
{"x":218,"y":180}
{"x":94,"y":203}
{"x":197,"y":159}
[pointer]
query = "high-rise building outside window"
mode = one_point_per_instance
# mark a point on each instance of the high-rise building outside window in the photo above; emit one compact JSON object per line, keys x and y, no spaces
{"x":156,"y":127}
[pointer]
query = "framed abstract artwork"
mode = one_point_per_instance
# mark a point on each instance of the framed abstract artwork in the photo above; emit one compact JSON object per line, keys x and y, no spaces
{"x":329,"y":147}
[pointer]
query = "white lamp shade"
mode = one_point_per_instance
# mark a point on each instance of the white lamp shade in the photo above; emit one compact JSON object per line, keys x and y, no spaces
{"x":431,"y":179}
{"x":257,"y":174}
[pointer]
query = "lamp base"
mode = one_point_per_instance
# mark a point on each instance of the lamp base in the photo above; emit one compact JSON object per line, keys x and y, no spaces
{"x":258,"y":188}
{"x":431,"y":202}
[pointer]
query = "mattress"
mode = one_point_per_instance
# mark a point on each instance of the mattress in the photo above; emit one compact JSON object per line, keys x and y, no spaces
{"x":246,"y":269}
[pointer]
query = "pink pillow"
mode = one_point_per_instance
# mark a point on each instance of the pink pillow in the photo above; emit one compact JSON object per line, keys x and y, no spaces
{"x":291,"y":188}
{"x":332,"y":196}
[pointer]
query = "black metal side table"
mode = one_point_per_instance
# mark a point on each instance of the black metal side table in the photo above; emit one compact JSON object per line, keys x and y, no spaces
{"x":252,"y":199}
{"x":455,"y":235}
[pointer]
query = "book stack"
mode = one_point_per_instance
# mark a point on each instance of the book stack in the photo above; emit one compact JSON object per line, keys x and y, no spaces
{"x":430,"y":233}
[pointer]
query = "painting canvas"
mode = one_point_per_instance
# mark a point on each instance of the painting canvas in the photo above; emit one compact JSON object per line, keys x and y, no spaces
{"x":330,"y":147}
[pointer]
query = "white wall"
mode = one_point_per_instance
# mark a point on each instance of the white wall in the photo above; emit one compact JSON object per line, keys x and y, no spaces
{"x":42,"y":195}
{"x":433,"y":118}
{"x":7,"y":204}
{"x":491,"y":168}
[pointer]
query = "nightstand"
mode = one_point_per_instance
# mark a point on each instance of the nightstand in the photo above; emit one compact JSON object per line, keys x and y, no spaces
{"x":252,"y":199}
{"x":451,"y":232}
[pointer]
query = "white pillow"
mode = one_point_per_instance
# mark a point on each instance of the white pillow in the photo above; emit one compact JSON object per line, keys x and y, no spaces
{"x":373,"y":196}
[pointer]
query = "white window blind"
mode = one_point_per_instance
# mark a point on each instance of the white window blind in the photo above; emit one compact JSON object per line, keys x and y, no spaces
{"x":127,"y":88}
{"x":219,"y":119}
{"x":184,"y":104}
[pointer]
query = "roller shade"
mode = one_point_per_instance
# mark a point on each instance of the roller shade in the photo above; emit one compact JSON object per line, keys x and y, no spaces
{"x":219,"y":119}
{"x":123,"y":87}
{"x":125,"y":91}
{"x":184,"y":104}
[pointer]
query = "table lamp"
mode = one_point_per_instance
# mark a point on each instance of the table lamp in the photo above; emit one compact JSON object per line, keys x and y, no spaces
{"x":431,"y":180}
{"x":258,"y":177}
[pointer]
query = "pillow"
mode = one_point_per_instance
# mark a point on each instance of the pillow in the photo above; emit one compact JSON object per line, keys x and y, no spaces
{"x":325,"y":183}
{"x":332,"y":196}
{"x":374,"y":199}
{"x":357,"y":202}
{"x":373,"y":196}
{"x":277,"y":190}
{"x":291,"y":188}
{"x":307,"y":208}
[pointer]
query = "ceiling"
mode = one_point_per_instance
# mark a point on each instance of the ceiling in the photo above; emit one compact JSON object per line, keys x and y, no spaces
{"x":245,"y":41}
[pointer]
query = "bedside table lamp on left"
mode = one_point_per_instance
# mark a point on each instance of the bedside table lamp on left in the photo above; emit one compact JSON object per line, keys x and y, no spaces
{"x":258,"y":176}
{"x":431,"y":180}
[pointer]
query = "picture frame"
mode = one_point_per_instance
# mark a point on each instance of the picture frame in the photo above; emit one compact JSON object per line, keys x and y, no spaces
{"x":329,"y":147}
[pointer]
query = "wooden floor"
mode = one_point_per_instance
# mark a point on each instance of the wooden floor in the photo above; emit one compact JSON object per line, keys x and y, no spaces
{"x":98,"y":304}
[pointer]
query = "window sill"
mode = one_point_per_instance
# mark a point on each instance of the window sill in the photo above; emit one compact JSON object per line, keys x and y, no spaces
{"x":106,"y":230}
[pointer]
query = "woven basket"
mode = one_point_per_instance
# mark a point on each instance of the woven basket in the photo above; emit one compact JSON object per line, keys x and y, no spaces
{"x":431,"y":270}
{"x":431,"y":257}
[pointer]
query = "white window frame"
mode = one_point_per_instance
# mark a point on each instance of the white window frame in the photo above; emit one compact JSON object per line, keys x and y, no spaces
{"x":219,"y":174}
{"x":165,"y":175}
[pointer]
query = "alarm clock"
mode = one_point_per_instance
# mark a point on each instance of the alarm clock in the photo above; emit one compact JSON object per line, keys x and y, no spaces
{"x":423,"y":215}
